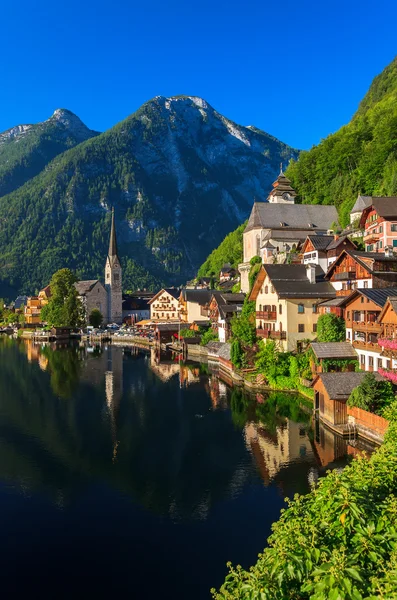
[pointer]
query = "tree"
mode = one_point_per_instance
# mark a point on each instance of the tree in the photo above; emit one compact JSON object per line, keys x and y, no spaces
{"x":331,"y":328}
{"x":243,"y":325}
{"x":64,"y":307}
{"x":208,"y":336}
{"x":95,"y":318}
{"x":372,"y":394}
{"x":236,"y":353}
{"x":188,"y":333}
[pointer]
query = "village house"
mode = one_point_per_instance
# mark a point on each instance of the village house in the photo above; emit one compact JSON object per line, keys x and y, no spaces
{"x":379,"y":221}
{"x":361,"y":204}
{"x":286,"y":299}
{"x":361,"y":311}
{"x":227,"y":273}
{"x":193,"y":305}
{"x":164,"y":306}
{"x":135,"y":309}
{"x":222,"y":308}
{"x":332,"y":306}
{"x":280,"y":226}
{"x":34,"y":305}
{"x":387,"y":339}
{"x":359,"y":270}
{"x":323,"y":250}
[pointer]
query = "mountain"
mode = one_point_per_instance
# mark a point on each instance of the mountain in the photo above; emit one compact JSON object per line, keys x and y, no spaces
{"x":25,"y":150}
{"x":180,"y":175}
{"x":359,"y":158}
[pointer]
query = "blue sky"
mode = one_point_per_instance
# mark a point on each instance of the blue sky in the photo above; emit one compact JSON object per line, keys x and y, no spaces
{"x":294,"y":69}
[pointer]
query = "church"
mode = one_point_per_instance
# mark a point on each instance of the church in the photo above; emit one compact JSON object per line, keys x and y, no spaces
{"x":279,"y":226}
{"x":108,"y":298}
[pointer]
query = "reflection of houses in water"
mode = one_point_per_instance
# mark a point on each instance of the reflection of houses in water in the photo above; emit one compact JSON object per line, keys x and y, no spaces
{"x":331,"y":447}
{"x":163,"y":368}
{"x":217,"y":391}
{"x":273,"y":451}
{"x":189,"y":374}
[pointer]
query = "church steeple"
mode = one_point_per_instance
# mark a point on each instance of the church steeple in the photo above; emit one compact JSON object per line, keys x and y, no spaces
{"x":112,"y":253}
{"x":113,"y":281}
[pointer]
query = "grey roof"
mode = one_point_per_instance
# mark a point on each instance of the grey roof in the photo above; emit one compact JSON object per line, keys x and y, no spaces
{"x":287,"y":234}
{"x":338,"y":241}
{"x":393,"y":302}
{"x":200,"y":296}
{"x":228,"y":297}
{"x":361,"y":203}
{"x":339,"y":386}
{"x":334,"y":302}
{"x":213,"y":347}
{"x":333,"y":350}
{"x":227,"y":310}
{"x":385,"y":206}
{"x":136,"y":304}
{"x":291,"y":281}
{"x":83,"y":287}
{"x":378,"y":295}
{"x":296,"y":216}
{"x":224,"y":351}
{"x":321,"y":242}
{"x":374,"y":256}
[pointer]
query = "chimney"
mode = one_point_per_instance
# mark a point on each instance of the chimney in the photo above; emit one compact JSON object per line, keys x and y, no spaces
{"x":336,"y":236}
{"x":311,"y":273}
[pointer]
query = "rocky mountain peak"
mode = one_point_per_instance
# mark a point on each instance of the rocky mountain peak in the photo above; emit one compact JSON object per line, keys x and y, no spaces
{"x":71,"y":122}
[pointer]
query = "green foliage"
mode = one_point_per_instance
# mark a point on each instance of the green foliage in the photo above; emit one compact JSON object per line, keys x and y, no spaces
{"x":331,"y":328}
{"x":95,"y":318}
{"x":208,"y":336}
{"x":255,"y":260}
{"x":188,"y":333}
{"x":337,"y":542}
{"x":252,"y":275}
{"x":243,"y":324}
{"x":359,"y":158}
{"x":236,"y":353}
{"x":340,"y":364}
{"x":372,"y":395}
{"x":64,"y":307}
{"x":283,"y":370}
{"x":228,"y":251}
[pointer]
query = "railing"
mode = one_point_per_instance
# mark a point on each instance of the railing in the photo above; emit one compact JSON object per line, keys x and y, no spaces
{"x":363,"y":345}
{"x":345,"y":276}
{"x":266,"y":314}
{"x":367,"y":326}
{"x":272,"y":335}
{"x":344,"y":292}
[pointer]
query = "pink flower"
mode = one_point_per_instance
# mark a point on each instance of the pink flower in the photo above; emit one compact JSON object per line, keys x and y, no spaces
{"x":390,"y":375}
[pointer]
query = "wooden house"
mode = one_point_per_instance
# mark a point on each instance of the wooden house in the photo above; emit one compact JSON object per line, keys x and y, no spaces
{"x":323,"y":250}
{"x":360,"y":270}
{"x":379,"y":221}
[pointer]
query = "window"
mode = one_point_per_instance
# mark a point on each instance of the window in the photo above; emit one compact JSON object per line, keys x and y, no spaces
{"x":301,"y":328}
{"x":370,"y":361}
{"x":280,"y":309}
{"x":362,"y":360}
{"x":393,"y":227}
{"x":381,"y":229}
{"x":266,"y":289}
{"x":348,"y":335}
{"x":301,"y":309}
{"x":272,"y":289}
{"x":394,"y":243}
{"x":380,"y":244}
{"x":348,"y":315}
{"x":314,"y":308}
{"x":365,"y":284}
{"x":116,"y":277}
{"x":362,"y":299}
{"x":379,"y":363}
{"x":314,"y":327}
{"x":260,"y":308}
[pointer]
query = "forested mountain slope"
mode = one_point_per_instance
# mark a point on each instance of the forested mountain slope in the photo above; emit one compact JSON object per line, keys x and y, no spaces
{"x":359,"y":158}
{"x":180,"y":175}
{"x":25,"y":150}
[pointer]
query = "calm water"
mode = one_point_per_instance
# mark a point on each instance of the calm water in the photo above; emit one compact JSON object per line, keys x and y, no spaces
{"x":120,"y":474}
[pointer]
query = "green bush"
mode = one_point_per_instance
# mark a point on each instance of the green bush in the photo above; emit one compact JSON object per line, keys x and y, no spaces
{"x":372,"y":395}
{"x":331,"y":328}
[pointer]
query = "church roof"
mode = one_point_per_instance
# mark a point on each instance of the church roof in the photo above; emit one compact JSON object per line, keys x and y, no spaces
{"x":361,"y":203}
{"x":293,"y":216}
{"x":112,"y":252}
{"x":83,"y":287}
{"x":281,"y":186}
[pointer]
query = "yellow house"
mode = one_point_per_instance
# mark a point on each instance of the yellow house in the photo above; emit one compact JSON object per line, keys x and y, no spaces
{"x":35,"y":304}
{"x":286,"y":299}
{"x":194,"y":305}
{"x":164,"y":306}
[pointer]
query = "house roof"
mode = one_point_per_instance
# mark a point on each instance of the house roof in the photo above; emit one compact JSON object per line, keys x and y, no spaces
{"x":338,"y":241}
{"x":227,"y":297}
{"x":295,"y":216}
{"x":291,"y":281}
{"x":174,"y":292}
{"x":334,"y":301}
{"x":386,"y":206}
{"x":83,"y":287}
{"x":361,"y":203}
{"x":224,"y":351}
{"x":333,"y":350}
{"x":135,"y":304}
{"x":320,"y":242}
{"x":378,"y":295}
{"x":339,"y":386}
{"x":227,"y":310}
{"x":46,"y":290}
{"x":393,"y":303}
{"x":197,"y":296}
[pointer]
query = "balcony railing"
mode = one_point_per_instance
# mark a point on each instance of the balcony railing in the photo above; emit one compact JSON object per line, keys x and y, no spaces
{"x":363,"y":345}
{"x":271,"y":335}
{"x":371,"y":326}
{"x":267,"y":315}
{"x":345,"y":276}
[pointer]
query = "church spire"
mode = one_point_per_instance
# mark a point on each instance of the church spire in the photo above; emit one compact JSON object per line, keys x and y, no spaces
{"x":113,"y":240}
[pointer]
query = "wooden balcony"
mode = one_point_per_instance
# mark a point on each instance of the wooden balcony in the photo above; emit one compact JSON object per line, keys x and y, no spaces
{"x":344,"y":292}
{"x":363,"y":345}
{"x":366,"y":326}
{"x":345,"y":276}
{"x":266,"y":315}
{"x":371,"y":237}
{"x":271,"y":335}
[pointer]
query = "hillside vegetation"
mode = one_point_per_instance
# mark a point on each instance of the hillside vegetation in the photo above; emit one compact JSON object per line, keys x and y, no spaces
{"x":228,"y":251}
{"x":359,"y":158}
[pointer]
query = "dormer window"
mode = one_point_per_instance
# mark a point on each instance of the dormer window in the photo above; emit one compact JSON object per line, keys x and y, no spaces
{"x":283,"y":224}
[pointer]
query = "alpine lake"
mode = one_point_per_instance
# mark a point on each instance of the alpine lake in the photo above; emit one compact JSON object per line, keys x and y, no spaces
{"x":125,"y":471}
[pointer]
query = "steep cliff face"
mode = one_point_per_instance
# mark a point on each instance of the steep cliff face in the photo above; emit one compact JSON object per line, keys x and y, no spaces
{"x":180,"y":175}
{"x":25,"y":150}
